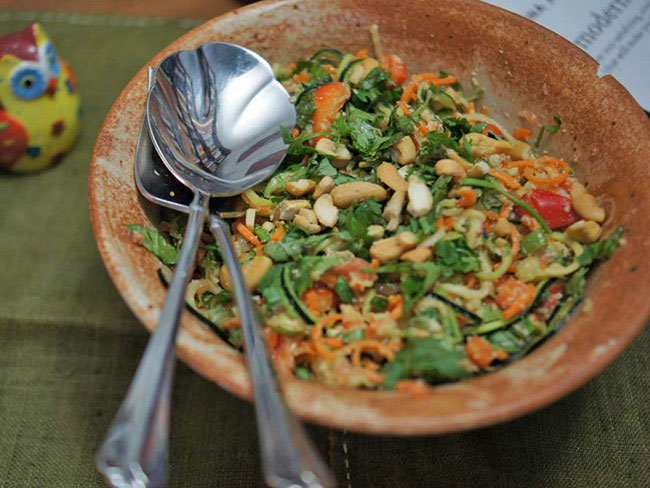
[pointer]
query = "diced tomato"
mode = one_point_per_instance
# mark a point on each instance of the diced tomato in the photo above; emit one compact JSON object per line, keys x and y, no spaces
{"x":329,"y":99}
{"x":352,"y":271}
{"x":396,"y":67}
{"x":554,"y":208}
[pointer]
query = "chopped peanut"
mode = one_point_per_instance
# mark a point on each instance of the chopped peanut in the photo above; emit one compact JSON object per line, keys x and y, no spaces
{"x":325,"y":185}
{"x":393,"y":210}
{"x":449,"y":167}
{"x":585,"y":204}
{"x":403,"y":152}
{"x":389,"y":176}
{"x":584,"y":231}
{"x":392,"y":248}
{"x":287,"y":209}
{"x":375,"y":231}
{"x":417,"y":255}
{"x":420,"y":199}
{"x":254,"y":270}
{"x":301,"y":187}
{"x":485,"y":146}
{"x":346,"y":194}
{"x":326,"y":212}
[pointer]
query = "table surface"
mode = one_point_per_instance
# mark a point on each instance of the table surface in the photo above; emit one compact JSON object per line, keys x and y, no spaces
{"x":69,"y":346}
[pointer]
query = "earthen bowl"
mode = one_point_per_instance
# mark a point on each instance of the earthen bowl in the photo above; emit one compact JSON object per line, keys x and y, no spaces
{"x":605,"y":135}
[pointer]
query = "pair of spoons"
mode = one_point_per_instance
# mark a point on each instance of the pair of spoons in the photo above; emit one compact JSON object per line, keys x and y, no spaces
{"x":214,"y":117}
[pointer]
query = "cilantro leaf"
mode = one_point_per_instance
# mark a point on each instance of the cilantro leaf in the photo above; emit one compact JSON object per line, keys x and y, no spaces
{"x":601,"y":250}
{"x":155,"y":243}
{"x":374,"y":88}
{"x":455,"y":257}
{"x":435,"y":360}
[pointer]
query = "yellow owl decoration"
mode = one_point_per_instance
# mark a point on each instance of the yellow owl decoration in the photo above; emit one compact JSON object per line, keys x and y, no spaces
{"x":39,"y":102}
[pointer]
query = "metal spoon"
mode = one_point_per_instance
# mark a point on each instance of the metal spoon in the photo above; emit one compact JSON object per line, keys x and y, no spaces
{"x":214,"y":116}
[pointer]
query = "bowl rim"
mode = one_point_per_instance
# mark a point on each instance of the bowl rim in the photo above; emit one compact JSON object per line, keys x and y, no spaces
{"x":232,"y":376}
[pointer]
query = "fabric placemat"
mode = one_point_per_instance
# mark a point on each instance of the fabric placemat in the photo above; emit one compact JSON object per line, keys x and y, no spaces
{"x":69,"y":346}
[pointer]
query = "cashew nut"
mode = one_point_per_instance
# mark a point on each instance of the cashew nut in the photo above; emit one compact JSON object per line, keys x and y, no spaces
{"x":585,"y":204}
{"x":449,"y":167}
{"x":375,"y":231}
{"x":420,"y":199}
{"x":346,"y":194}
{"x":417,"y":255}
{"x":325,"y":210}
{"x":301,"y":187}
{"x":268,"y":226}
{"x":584,"y":231}
{"x":392,"y":248}
{"x":328,"y":147}
{"x":478,"y":170}
{"x":485,"y":146}
{"x":404,"y":151}
{"x":254,"y":270}
{"x":393,"y":210}
{"x":521,"y":150}
{"x":287,"y":209}
{"x":325,"y":185}
{"x":389,"y":176}
{"x":307,"y":220}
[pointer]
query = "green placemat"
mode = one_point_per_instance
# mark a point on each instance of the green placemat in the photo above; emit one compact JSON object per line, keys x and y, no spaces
{"x":69,"y":346}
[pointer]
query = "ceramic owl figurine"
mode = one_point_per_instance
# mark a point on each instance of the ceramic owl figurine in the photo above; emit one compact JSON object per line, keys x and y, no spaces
{"x":39,"y":103}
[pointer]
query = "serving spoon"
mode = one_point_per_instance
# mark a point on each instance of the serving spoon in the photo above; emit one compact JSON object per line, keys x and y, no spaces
{"x":214,"y":116}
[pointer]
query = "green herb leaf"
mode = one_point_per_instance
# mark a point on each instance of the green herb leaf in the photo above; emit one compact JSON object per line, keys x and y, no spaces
{"x":154,"y":242}
{"x":454,"y":256}
{"x":538,"y":141}
{"x":435,"y":360}
{"x":353,"y":335}
{"x":378,"y":304}
{"x":601,"y":250}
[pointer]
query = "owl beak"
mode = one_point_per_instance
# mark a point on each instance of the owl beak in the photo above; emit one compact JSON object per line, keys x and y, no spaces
{"x":51,"y":86}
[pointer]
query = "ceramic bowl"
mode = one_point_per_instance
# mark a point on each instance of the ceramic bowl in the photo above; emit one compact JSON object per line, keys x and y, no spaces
{"x":605,"y":135}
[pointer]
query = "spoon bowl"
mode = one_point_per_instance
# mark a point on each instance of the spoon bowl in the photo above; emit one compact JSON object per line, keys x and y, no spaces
{"x":214,"y":115}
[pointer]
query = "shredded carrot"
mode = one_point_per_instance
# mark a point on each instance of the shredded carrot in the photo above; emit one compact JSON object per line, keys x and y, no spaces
{"x":301,"y":77}
{"x":361,"y":53}
{"x":440,"y":223}
{"x":416,"y":388}
{"x":485,"y":111}
{"x":471,"y":108}
{"x":423,"y":130}
{"x":492,"y":128}
{"x":521,"y":134}
{"x":317,"y":335}
{"x":505,"y":178}
{"x":357,"y":347}
{"x":279,"y":233}
{"x":375,"y":263}
{"x":481,"y":352}
{"x":449,"y":223}
{"x":520,"y":304}
{"x":295,"y":132}
{"x":332,"y":71}
{"x":293,"y":66}
{"x":520,"y":165}
{"x":553,"y":165}
{"x":249,"y":236}
{"x":333,"y":342}
{"x":410,"y":92}
{"x":468,"y":197}
{"x":504,"y":213}
{"x":491,"y":215}
{"x":516,"y":242}
{"x":396,"y":306}
{"x":404,"y":107}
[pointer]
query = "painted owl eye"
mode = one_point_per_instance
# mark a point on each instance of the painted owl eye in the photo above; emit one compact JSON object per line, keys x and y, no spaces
{"x":28,"y":83}
{"x":52,"y":59}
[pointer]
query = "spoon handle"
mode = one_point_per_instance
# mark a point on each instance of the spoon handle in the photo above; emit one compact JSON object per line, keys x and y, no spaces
{"x":289,"y":459}
{"x":134,"y":452}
